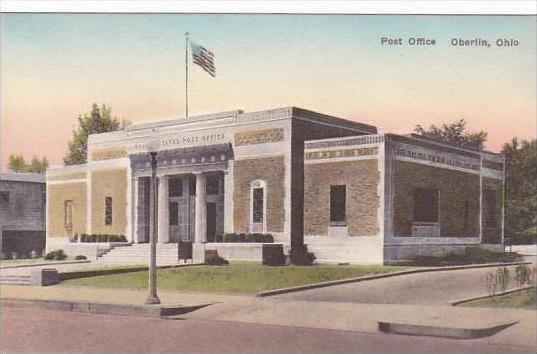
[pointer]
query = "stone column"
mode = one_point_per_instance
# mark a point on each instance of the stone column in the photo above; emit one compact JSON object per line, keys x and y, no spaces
{"x":200,"y":234}
{"x":228,"y":198}
{"x":163,"y":227}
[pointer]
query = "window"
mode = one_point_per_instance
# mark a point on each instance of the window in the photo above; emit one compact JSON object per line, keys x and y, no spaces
{"x":173,"y":214}
{"x":426,"y":205}
{"x":4,"y":198}
{"x":175,"y":187}
{"x":491,"y":207}
{"x":338,"y":202}
{"x":212,"y":184}
{"x":257,"y":205}
{"x":108,"y":210}
{"x":68,"y":215}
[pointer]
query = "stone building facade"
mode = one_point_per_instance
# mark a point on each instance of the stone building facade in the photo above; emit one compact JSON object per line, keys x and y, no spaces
{"x":350,"y":194}
{"x":22,"y":214}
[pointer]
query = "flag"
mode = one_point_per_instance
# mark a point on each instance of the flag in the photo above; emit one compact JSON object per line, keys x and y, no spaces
{"x":203,"y":57}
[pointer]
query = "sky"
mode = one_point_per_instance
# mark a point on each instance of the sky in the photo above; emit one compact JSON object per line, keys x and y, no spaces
{"x":54,"y":66}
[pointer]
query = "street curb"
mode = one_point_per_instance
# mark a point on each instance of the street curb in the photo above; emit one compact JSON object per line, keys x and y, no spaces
{"x":78,"y":274}
{"x":153,"y":311}
{"x":440,"y":332}
{"x":379,"y":276}
{"x":460,"y":301}
{"x":43,"y":264}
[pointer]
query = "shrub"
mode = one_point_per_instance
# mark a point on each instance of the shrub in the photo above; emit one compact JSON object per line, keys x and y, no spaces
{"x":492,"y":282}
{"x":58,"y":255}
{"x":502,"y":273}
{"x":102,"y":238}
{"x":80,"y":257}
{"x":523,"y":274}
{"x":245,"y":237}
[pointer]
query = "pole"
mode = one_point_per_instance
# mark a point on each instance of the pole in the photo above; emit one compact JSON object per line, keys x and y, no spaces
{"x":186,"y":72}
{"x":153,"y":298}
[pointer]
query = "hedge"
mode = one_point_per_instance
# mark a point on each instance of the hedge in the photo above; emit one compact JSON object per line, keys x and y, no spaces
{"x":100,"y":238}
{"x":245,"y":237}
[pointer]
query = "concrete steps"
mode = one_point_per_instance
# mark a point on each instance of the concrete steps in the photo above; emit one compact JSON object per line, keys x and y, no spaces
{"x":15,"y":279}
{"x":139,"y":254}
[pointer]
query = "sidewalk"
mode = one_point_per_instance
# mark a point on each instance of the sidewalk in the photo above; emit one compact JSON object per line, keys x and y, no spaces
{"x":344,"y":316}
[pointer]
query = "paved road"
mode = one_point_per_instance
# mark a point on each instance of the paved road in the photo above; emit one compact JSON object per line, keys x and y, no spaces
{"x":38,"y":330}
{"x":431,"y":288}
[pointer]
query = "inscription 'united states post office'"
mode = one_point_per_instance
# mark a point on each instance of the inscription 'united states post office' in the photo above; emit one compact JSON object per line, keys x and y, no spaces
{"x":259,"y":137}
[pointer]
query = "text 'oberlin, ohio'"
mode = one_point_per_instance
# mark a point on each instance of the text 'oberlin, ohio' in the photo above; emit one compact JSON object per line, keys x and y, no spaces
{"x":455,"y":42}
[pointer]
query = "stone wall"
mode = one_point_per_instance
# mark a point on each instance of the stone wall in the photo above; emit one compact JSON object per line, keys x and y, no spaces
{"x":109,"y":183}
{"x":57,"y":195}
{"x":269,"y":169}
{"x":459,"y":198}
{"x":362,"y":201}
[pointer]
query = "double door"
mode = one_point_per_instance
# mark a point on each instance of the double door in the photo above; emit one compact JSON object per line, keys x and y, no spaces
{"x":182,"y":216}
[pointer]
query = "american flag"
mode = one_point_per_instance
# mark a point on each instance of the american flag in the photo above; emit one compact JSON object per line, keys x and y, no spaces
{"x":203,"y":57}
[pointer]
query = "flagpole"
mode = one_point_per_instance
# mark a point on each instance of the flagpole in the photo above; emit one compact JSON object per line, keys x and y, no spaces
{"x":186,"y":72}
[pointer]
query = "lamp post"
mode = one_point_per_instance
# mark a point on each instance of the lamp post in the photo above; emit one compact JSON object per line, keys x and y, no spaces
{"x":153,"y":146}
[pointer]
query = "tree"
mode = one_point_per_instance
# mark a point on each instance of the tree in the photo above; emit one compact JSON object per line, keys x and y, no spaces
{"x":18,"y":164}
{"x":99,"y":120}
{"x":454,"y":133}
{"x":521,"y":190}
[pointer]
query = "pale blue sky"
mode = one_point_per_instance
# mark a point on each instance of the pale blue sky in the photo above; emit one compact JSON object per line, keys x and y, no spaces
{"x":55,"y":65}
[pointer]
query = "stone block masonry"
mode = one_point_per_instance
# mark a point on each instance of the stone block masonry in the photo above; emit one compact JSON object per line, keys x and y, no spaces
{"x":361,"y":179}
{"x":58,"y":194}
{"x":458,"y":198}
{"x":109,"y":183}
{"x":268,"y":169}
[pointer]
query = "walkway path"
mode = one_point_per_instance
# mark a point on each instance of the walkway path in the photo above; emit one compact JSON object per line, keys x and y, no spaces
{"x":431,"y":288}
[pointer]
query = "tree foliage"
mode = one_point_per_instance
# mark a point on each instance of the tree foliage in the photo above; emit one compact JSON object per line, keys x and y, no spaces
{"x":454,"y":133}
{"x":18,"y":164}
{"x":99,"y":120}
{"x":521,"y":189}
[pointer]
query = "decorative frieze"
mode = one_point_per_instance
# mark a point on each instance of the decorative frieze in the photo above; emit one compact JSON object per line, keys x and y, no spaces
{"x":208,"y":154}
{"x":259,"y":137}
{"x":436,"y":157}
{"x":98,"y":155}
{"x":359,"y":140}
{"x":331,"y":154}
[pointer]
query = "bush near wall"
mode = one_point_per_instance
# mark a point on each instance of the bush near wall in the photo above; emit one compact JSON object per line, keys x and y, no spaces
{"x":245,"y":237}
{"x":100,"y":238}
{"x":57,"y":255}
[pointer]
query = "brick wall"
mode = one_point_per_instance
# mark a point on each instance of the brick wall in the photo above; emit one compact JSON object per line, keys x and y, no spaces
{"x":109,"y":183}
{"x":362,"y":201}
{"x":492,"y":198}
{"x":269,"y":169}
{"x":57,"y":195}
{"x":459,"y":198}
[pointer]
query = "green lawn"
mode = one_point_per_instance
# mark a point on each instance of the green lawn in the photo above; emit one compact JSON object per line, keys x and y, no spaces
{"x":520,"y":299}
{"x":237,"y":277}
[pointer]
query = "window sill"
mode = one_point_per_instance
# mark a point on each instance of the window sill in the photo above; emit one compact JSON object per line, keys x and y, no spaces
{"x":337,"y":224}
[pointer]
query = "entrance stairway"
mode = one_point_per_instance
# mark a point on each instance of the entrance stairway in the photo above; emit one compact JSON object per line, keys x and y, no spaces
{"x":138,"y":253}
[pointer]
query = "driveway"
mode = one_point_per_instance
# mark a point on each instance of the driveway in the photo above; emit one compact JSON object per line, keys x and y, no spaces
{"x":430,"y":288}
